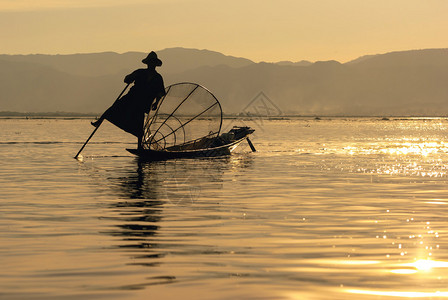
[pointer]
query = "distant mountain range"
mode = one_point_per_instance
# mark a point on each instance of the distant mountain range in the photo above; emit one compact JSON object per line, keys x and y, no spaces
{"x":398,"y":83}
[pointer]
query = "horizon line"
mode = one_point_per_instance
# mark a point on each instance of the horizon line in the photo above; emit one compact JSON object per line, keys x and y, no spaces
{"x":227,"y":55}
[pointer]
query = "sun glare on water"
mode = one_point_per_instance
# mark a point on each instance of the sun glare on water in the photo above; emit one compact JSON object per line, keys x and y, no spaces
{"x":400,"y":294}
{"x":413,"y":148}
{"x":427,"y":265}
{"x":421,"y":266}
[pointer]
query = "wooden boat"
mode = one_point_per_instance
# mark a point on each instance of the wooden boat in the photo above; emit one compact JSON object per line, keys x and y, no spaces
{"x":219,"y":146}
{"x":187,"y":124}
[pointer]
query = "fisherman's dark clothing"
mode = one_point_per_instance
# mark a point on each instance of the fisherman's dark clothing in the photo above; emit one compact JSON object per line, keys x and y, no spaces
{"x":128,"y":112}
{"x":148,"y":85}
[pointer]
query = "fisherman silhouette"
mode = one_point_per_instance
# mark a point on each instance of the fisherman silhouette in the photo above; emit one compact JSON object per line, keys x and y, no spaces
{"x":128,"y":112}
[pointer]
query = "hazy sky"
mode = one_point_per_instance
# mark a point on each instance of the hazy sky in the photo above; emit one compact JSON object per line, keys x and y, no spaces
{"x":262,"y":30}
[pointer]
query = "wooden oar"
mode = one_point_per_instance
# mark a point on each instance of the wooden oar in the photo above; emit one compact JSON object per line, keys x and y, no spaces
{"x":79,"y":152}
{"x":96,"y":128}
{"x":251,"y":145}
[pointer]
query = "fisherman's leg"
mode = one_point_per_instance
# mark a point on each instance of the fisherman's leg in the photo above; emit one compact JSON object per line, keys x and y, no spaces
{"x":113,"y":110}
{"x":97,"y":122}
{"x":140,"y":140}
{"x":103,"y":116}
{"x":139,"y":143}
{"x":140,"y":122}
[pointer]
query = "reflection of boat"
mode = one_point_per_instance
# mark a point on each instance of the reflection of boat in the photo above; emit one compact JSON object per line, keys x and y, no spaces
{"x":188,"y":124}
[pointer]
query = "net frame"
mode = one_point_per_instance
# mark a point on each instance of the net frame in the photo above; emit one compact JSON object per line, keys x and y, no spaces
{"x":157,"y":140}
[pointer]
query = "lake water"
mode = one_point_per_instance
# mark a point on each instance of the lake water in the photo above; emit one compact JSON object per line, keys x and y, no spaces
{"x":325,"y":209}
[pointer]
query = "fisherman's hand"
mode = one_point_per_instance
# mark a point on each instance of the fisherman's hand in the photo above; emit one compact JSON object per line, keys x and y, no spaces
{"x":128,"y":79}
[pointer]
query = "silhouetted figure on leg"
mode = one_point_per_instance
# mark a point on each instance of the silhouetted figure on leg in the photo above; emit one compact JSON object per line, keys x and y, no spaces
{"x":128,"y":112}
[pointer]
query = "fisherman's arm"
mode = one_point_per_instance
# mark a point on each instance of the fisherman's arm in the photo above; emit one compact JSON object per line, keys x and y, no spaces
{"x":156,"y":103}
{"x":161,"y":93}
{"x":130,"y":78}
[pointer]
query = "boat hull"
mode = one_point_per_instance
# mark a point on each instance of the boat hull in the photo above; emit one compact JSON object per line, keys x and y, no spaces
{"x":153,"y":155}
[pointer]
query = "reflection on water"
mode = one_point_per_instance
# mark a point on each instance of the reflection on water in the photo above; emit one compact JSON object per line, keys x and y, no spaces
{"x":144,"y":190}
{"x":325,"y":209}
{"x":138,"y":213}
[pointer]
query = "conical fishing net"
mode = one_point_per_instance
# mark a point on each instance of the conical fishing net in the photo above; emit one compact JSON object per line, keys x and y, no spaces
{"x":187,"y":118}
